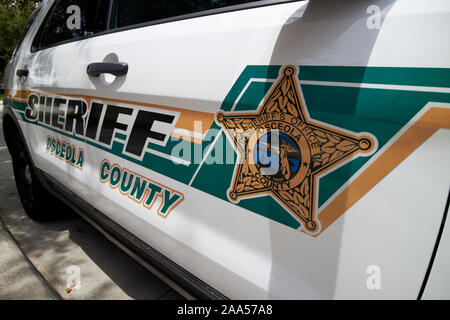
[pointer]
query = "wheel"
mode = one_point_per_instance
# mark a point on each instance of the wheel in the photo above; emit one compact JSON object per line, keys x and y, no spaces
{"x":36,"y":201}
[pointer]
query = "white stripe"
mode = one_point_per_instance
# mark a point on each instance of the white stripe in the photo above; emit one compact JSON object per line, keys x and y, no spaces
{"x":246,"y":87}
{"x":205,"y":156}
{"x":166,"y":156}
{"x":376,"y":86}
{"x":192,"y":134}
{"x":14,"y":98}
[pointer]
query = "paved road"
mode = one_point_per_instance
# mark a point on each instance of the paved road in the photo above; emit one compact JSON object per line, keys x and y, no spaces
{"x":37,"y":259}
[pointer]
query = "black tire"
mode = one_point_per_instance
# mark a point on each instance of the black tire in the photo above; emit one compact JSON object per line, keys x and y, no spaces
{"x":36,"y":201}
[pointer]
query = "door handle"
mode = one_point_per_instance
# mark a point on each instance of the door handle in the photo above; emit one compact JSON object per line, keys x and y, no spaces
{"x":22,"y":73}
{"x":114,"y":68}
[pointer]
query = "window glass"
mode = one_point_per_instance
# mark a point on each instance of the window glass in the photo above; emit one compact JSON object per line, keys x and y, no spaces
{"x":70,"y":19}
{"x":129,"y":12}
{"x":25,"y":31}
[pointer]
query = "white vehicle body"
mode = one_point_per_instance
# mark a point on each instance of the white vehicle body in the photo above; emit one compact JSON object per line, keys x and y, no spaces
{"x":380,"y":72}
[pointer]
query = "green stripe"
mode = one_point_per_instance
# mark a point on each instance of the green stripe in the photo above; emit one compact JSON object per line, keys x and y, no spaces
{"x":378,"y":111}
{"x":19,"y":106}
{"x":428,"y":77}
{"x":382,"y":112}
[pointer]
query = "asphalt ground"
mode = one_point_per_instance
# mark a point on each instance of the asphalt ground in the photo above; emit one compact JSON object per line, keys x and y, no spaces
{"x":65,"y":258}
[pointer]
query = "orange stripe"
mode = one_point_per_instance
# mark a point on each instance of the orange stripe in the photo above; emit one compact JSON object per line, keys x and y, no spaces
{"x":434,"y":119}
{"x":19,"y":94}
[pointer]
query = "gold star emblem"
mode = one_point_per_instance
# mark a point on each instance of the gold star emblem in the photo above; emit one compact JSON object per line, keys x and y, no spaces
{"x":282,"y":152}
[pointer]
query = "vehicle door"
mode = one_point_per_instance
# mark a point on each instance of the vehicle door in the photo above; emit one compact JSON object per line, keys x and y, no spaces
{"x":52,"y":106}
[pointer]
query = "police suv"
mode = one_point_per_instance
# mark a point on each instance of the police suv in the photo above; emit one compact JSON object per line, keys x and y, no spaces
{"x":244,"y":149}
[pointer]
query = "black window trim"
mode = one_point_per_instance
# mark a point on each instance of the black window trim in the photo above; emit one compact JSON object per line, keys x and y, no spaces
{"x":31,"y":20}
{"x":239,"y":7}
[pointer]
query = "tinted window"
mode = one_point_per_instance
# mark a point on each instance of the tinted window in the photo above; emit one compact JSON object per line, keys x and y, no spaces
{"x":129,"y":12}
{"x":25,"y":31}
{"x":70,"y":19}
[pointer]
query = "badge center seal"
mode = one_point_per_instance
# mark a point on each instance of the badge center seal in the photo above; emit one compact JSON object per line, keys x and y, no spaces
{"x":294,"y":148}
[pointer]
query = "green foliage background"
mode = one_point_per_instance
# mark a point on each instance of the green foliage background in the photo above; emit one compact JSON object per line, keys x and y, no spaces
{"x":14,"y":16}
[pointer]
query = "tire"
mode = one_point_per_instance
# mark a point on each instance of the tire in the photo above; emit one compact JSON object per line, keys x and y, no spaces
{"x":36,"y":201}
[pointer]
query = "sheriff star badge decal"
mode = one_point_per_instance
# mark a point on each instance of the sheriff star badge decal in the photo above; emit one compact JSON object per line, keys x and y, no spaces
{"x":282,"y":152}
